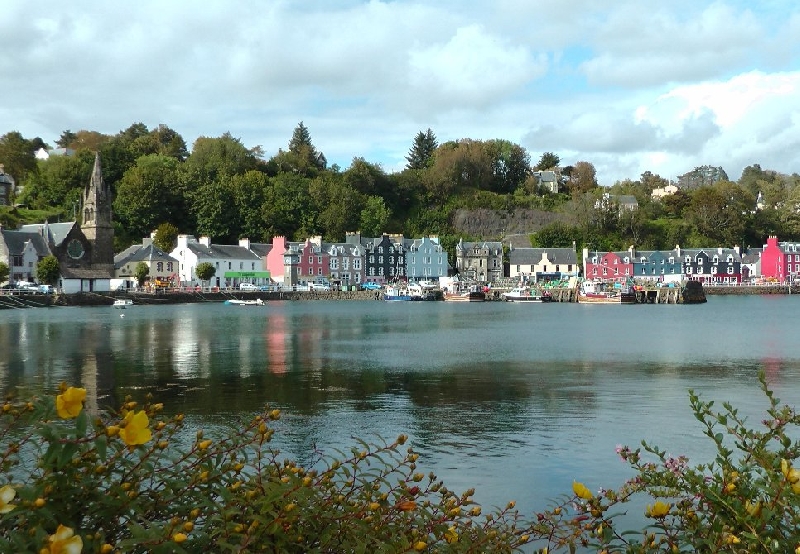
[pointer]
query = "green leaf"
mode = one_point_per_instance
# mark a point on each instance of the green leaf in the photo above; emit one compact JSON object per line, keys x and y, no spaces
{"x":80,"y":424}
{"x":101,"y":445}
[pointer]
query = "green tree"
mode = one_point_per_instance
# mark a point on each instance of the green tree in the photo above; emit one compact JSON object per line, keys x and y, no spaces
{"x":166,"y":236}
{"x":205,"y":271}
{"x":216,"y":212}
{"x":48,"y":270}
{"x":249,"y":192}
{"x":338,"y":205}
{"x":547,"y":161}
{"x":374,"y":217}
{"x":510,"y":165}
{"x":287,"y":206}
{"x":420,"y":155}
{"x":555,"y":235}
{"x":141,"y":273}
{"x":302,"y":157}
{"x":17,"y":155}
{"x":149,"y":193}
{"x":4,"y":271}
{"x":212,"y":158}
{"x":583,"y":178}
{"x":67,"y":139}
{"x":58,"y":183}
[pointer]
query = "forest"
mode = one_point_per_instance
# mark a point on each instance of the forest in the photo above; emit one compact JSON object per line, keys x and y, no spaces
{"x":226,"y":190}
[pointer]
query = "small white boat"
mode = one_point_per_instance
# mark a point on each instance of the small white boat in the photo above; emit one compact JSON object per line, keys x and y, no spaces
{"x":122,"y":303}
{"x":236,"y":302}
{"x":524,"y":294}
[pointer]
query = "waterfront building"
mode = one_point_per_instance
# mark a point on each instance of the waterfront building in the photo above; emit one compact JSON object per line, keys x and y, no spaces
{"x":233,"y":263}
{"x":346,"y":260}
{"x":712,"y":265}
{"x":312,"y":261}
{"x":542,"y":264}
{"x":426,"y":259}
{"x":780,"y":260}
{"x":608,"y":266}
{"x":479,"y":261}
{"x":162,"y":268}
{"x":384,"y":258}
{"x":657,"y":265}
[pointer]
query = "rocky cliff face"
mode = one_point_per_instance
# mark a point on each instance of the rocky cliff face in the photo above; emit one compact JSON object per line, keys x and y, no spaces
{"x":493,"y":224}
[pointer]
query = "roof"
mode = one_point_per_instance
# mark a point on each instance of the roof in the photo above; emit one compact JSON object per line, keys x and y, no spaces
{"x":56,"y":233}
{"x":15,"y":242}
{"x":140,"y":253}
{"x":533,"y":256}
{"x":752,"y":256}
{"x":221,"y":251}
{"x":103,"y":271}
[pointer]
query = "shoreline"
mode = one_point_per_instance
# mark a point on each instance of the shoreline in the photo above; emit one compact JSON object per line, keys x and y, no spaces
{"x":34,"y":300}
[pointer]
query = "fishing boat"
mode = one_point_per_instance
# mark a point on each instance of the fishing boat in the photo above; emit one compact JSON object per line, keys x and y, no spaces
{"x":525,"y":294}
{"x":397,"y":293}
{"x":601,"y":292}
{"x":122,"y":303}
{"x":472,"y":293}
{"x":237,"y":302}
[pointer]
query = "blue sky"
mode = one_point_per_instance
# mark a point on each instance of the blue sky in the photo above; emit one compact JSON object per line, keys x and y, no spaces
{"x":630,"y":86}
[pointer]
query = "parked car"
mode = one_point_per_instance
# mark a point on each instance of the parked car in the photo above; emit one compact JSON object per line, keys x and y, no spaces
{"x":371,"y":285}
{"x":319,"y":286}
{"x":248,"y":286}
{"x":47,"y":289}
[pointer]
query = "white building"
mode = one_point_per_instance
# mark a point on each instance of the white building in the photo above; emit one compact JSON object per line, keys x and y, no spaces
{"x":234,"y":264}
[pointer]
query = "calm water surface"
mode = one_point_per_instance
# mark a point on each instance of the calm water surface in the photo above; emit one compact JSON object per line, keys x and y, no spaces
{"x":516,"y":400}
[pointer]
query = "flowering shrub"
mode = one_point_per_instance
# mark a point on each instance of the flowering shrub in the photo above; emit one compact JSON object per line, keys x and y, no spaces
{"x":119,"y":482}
{"x":72,"y":482}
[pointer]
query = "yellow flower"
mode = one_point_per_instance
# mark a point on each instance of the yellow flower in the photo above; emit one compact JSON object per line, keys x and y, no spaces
{"x":450,"y":535}
{"x":581,"y":491}
{"x":7,"y":494}
{"x":135,"y":430}
{"x":730,"y":538}
{"x":419,"y":546}
{"x":179,"y":537}
{"x":64,"y":541}
{"x":658,"y":510}
{"x":70,"y":403}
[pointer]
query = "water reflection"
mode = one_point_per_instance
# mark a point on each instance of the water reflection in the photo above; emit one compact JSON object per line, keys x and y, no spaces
{"x":515,"y":401}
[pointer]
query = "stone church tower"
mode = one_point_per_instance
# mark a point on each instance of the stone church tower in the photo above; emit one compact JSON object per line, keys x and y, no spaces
{"x":96,"y":224}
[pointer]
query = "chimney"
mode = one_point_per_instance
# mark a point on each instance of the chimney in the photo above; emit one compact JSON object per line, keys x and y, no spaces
{"x":205,"y":241}
{"x":245,"y":243}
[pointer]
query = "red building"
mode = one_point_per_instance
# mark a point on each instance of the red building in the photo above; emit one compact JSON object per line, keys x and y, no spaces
{"x":780,"y":260}
{"x":607,"y":266}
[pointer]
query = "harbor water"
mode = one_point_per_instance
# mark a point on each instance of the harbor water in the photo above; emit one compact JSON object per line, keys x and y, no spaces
{"x":515,"y":400}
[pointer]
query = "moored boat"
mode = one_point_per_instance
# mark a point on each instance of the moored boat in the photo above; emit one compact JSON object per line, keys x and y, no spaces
{"x":394,"y":293}
{"x":525,"y":294}
{"x":122,"y":303}
{"x":601,"y":292}
{"x":471,"y":294}
{"x":237,"y":302}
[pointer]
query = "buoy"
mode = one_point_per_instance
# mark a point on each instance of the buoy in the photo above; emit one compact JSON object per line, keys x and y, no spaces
{"x":121,"y":315}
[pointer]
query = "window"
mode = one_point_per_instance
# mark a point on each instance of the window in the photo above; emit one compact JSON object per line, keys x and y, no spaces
{"x":730,"y":271}
{"x":319,"y":271}
{"x":217,"y":264}
{"x":169,"y":266}
{"x":713,"y":271}
{"x":380,"y":250}
{"x":253,"y":266}
{"x":688,"y":270}
{"x":334,"y":264}
{"x":159,"y":266}
{"x":380,"y":260}
{"x":356,"y":263}
{"x":241,"y":265}
{"x":311,"y":259}
{"x":594,"y":271}
{"x":17,"y":261}
{"x":671,"y":260}
{"x":229,"y":265}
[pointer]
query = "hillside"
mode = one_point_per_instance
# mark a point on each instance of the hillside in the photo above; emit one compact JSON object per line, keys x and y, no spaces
{"x":492,"y":224}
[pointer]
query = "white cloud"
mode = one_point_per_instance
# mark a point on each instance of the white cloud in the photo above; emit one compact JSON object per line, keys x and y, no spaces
{"x":630,"y":86}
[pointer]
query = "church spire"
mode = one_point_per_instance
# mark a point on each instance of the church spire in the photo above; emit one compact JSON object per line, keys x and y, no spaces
{"x":96,"y":222}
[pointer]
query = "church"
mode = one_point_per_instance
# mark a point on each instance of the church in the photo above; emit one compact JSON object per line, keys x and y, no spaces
{"x":85,"y":251}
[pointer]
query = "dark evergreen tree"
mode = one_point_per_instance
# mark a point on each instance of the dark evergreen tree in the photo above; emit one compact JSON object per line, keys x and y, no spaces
{"x":421,"y":153}
{"x":547,"y":161}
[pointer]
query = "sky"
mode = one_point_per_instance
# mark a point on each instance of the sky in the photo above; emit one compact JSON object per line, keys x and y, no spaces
{"x":629,"y":86}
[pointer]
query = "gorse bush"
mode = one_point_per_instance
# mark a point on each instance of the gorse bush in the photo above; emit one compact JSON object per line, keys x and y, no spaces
{"x":132,"y":482}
